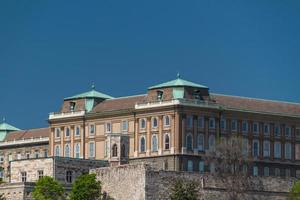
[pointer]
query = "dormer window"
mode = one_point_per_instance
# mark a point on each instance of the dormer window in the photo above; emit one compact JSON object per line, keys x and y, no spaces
{"x":159,"y":95}
{"x":197,"y":95}
{"x":72,"y":106}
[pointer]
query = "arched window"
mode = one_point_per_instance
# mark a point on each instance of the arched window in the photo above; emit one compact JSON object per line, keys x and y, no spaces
{"x":67,"y":150}
{"x":211,"y":142}
{"x":57,"y":151}
{"x":154,"y":122}
{"x":57,"y":132}
{"x":166,"y":120}
{"x":67,"y":132}
{"x":189,"y":142}
{"x":123,"y":151}
{"x":115,"y":150}
{"x":142,"y":123}
{"x":77,"y":132}
{"x":143,"y":144}
{"x":167,"y":141}
{"x":154,"y":143}
{"x":200,"y":142}
{"x":77,"y":150}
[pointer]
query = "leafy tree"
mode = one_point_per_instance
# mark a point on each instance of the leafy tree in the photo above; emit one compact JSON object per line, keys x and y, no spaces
{"x":48,"y":189}
{"x":231,"y":167}
{"x":86,"y":187}
{"x":295,"y":192}
{"x":184,"y":191}
{"x":2,"y":197}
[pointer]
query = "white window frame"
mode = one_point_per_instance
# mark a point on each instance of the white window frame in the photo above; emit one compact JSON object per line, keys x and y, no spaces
{"x":108,"y":127}
{"x":92,"y":130}
{"x":67,"y":129}
{"x":141,"y":123}
{"x":154,"y":144}
{"x":258,"y":148}
{"x":55,"y":153}
{"x":200,"y":139}
{"x":234,"y":121}
{"x":277,"y":149}
{"x":152,"y":122}
{"x":266,"y":148}
{"x":288,"y":151}
{"x":165,"y":135}
{"x":145,"y":145}
{"x":77,"y":150}
{"x":257,"y":125}
{"x":212,"y":119}
{"x":77,"y":131}
{"x":200,"y":122}
{"x":125,"y":128}
{"x":92,"y":153}
{"x":165,"y":121}
{"x":57,"y":132}
{"x":247,"y":126}
{"x":69,"y":150}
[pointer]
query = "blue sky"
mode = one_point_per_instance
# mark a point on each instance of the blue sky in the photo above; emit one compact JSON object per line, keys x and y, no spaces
{"x":53,"y":49}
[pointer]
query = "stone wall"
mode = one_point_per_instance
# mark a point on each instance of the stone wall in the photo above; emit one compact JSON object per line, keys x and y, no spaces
{"x":141,"y":182}
{"x":17,"y":191}
{"x":31,"y":167}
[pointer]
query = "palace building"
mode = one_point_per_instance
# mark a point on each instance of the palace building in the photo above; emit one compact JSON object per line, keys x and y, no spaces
{"x":16,"y":144}
{"x":173,"y":125}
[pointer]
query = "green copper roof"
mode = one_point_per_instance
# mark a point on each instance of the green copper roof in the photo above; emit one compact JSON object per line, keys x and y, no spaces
{"x":7,"y":127}
{"x":91,"y":94}
{"x":177,"y":83}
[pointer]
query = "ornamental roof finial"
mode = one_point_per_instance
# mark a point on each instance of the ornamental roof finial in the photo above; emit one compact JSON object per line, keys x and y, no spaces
{"x":93,"y":86}
{"x":178,"y":75}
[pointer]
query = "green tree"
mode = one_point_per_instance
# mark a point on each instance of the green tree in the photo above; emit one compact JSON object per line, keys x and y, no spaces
{"x":86,"y":187}
{"x":48,"y":189}
{"x":184,"y":191}
{"x":295,"y":192}
{"x":2,"y":197}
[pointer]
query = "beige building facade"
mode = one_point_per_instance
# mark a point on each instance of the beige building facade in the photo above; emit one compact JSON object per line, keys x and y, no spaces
{"x":173,"y":125}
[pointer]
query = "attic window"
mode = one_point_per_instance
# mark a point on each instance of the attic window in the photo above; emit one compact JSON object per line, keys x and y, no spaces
{"x":197,"y":95}
{"x":159,"y":95}
{"x":72,"y":106}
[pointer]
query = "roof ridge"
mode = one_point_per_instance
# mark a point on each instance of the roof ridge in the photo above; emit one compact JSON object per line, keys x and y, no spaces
{"x":261,"y":99}
{"x":116,"y":98}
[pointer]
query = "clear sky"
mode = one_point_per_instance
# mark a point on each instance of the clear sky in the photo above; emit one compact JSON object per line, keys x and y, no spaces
{"x":53,"y":49}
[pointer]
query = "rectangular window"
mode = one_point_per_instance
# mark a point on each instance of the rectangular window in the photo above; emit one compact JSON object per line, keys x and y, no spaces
{"x":266,"y":149}
{"x":69,"y":176}
{"x":245,"y":126}
{"x":24,"y":176}
{"x":10,"y":157}
{"x":190,"y":166}
{"x":255,"y":128}
{"x":212,"y":123}
{"x":245,"y":146}
{"x":288,"y":151}
{"x":234,"y":125}
{"x":92,"y":149}
{"x":92,"y":129}
{"x":277,"y":150}
{"x":108,"y":127}
{"x":255,"y":147}
{"x":298,"y":132}
{"x":37,"y":154}
{"x":288,"y":132}
{"x":266,"y":171}
{"x":190,"y":121}
{"x":1,"y":159}
{"x":19,"y":156}
{"x":57,"y":132}
{"x":77,"y":131}
{"x":212,"y":168}
{"x":40,"y":174}
{"x":277,"y":131}
{"x":125,"y":125}
{"x":223,"y":124}
{"x":200,"y":142}
{"x":27,"y":155}
{"x":200,"y":122}
{"x":266,"y":129}
{"x":45,"y":153}
{"x":201,"y":166}
{"x":255,"y":171}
